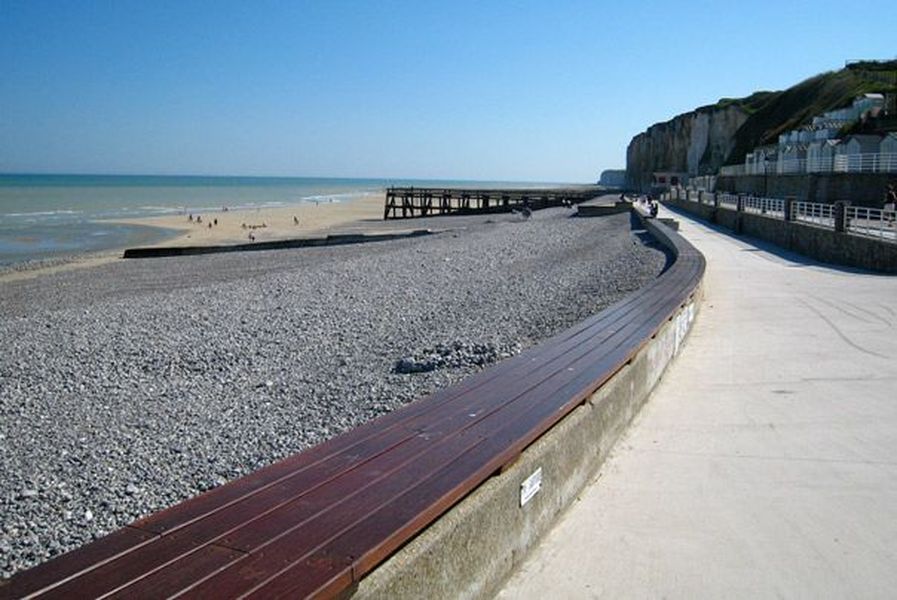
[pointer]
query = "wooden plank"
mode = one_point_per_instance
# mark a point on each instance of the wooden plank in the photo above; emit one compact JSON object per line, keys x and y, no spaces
{"x":174,"y":579}
{"x":71,"y":564}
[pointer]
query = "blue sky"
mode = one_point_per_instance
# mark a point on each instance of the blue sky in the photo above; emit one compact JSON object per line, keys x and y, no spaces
{"x":530,"y":91}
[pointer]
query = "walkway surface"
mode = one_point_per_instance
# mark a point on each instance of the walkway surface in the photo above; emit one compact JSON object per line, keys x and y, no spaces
{"x":765,"y":463}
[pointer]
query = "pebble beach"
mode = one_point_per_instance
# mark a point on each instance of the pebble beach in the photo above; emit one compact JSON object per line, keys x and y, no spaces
{"x":129,"y":385}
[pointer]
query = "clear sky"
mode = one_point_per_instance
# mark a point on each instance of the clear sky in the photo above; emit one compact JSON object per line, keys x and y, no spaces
{"x":531,"y":91}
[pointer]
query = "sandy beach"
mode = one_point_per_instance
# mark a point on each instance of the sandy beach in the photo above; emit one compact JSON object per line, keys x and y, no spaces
{"x":227,"y":226}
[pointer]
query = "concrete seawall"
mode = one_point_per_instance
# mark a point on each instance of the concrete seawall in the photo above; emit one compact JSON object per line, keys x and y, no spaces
{"x":816,"y":242}
{"x":471,"y":550}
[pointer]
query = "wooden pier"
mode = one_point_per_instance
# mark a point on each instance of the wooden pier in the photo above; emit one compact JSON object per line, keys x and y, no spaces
{"x":409,"y":202}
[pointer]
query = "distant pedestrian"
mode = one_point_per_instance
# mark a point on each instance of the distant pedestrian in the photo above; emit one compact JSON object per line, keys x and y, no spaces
{"x":295,"y":220}
{"x":210,"y":225}
{"x":891,"y":204}
{"x":654,"y":207}
{"x":216,"y":222}
{"x":190,"y":217}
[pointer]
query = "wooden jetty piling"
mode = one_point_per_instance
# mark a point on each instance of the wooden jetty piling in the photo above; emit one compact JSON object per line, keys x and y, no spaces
{"x":410,"y":202}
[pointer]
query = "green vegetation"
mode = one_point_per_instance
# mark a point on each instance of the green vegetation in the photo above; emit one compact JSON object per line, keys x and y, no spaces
{"x":750,"y":104}
{"x":773,"y":113}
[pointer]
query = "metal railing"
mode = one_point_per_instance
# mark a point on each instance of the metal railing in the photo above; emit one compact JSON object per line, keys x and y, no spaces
{"x":813,"y":213}
{"x":791,"y":165}
{"x":872,"y":222}
{"x":728,"y":200}
{"x":764,"y":206}
{"x":853,"y":220}
{"x":865,"y":163}
{"x":841,"y":163}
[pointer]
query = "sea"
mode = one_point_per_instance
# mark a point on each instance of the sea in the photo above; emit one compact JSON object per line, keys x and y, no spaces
{"x":47,"y":216}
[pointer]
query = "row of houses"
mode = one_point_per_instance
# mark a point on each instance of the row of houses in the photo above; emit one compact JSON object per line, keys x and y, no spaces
{"x":855,"y":153}
{"x":816,"y":148}
{"x":828,"y":125}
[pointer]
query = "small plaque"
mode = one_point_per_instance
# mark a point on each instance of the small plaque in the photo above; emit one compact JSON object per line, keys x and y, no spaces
{"x":530,"y":486}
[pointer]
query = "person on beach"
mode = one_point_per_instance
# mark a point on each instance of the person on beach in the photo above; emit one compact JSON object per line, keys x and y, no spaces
{"x":216,"y":222}
{"x":295,"y":220}
{"x":190,"y":217}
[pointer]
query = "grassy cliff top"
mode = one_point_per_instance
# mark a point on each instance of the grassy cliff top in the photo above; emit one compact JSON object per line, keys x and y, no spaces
{"x":773,"y":113}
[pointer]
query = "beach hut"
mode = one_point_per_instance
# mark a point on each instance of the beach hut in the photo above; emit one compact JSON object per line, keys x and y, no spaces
{"x":820,"y":155}
{"x":868,"y":103}
{"x":826,"y":130}
{"x":857,"y":153}
{"x":887,"y":153}
{"x":805,"y":135}
{"x":765,"y":158}
{"x":792,"y":159}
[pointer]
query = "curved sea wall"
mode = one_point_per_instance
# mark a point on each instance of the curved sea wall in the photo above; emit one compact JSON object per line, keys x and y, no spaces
{"x":474,"y":547}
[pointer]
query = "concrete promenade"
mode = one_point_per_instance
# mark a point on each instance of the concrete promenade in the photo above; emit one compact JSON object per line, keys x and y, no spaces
{"x":765,"y":463}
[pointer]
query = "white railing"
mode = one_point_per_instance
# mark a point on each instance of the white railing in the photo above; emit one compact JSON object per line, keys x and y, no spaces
{"x":854,"y":220}
{"x":820,"y":164}
{"x":791,"y":165}
{"x":872,"y":222}
{"x":765,"y":206}
{"x":842,"y":163}
{"x":727,"y":200}
{"x":865,"y":163}
{"x":813,"y":213}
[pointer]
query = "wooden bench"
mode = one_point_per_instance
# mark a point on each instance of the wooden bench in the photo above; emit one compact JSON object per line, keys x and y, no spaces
{"x":315,"y":523}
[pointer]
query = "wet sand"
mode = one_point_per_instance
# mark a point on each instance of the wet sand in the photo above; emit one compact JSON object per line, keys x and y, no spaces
{"x":265,"y":224}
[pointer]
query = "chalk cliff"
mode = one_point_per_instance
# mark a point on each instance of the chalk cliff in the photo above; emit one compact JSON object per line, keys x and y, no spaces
{"x":696,"y":143}
{"x":699,"y":142}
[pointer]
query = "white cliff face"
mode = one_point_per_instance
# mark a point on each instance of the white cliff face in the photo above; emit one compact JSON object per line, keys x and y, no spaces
{"x":700,"y":137}
{"x":696,"y":143}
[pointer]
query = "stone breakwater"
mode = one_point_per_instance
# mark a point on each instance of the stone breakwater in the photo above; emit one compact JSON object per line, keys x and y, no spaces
{"x":131,"y":386}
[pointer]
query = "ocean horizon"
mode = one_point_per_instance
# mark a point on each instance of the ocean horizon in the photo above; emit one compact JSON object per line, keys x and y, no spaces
{"x":49,"y":215}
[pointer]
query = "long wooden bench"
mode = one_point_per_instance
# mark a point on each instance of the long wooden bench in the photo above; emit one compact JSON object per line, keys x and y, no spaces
{"x":315,"y":523}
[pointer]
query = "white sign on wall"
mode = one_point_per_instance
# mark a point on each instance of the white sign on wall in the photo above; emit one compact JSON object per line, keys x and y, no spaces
{"x":530,"y":486}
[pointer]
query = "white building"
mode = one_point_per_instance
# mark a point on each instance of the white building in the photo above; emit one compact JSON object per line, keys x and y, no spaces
{"x":821,"y":155}
{"x":887,"y":153}
{"x":759,"y":158}
{"x":857,"y":153}
{"x":792,"y":159}
{"x":827,"y":130}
